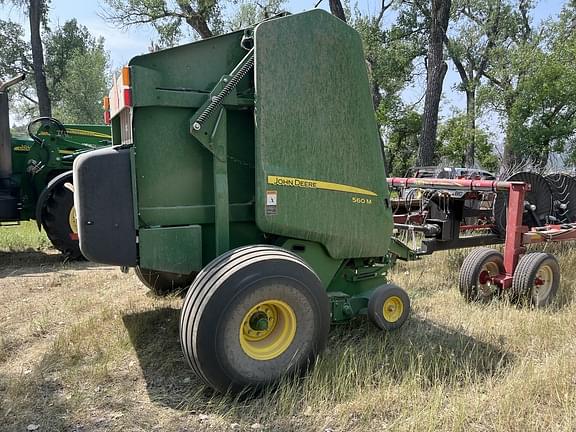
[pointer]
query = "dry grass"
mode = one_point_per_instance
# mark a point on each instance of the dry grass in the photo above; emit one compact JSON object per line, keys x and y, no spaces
{"x":84,"y":348}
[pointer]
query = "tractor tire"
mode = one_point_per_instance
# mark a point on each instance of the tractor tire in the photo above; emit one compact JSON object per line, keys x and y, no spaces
{"x":252,"y":316}
{"x":59,"y":222}
{"x":475,"y":273}
{"x":163,"y":283}
{"x":389,"y":307}
{"x":536,"y":280}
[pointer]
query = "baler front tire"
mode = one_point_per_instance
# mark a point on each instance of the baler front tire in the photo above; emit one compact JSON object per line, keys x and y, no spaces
{"x":389,"y":307}
{"x":163,"y":283}
{"x":59,"y":222}
{"x":252,"y":316}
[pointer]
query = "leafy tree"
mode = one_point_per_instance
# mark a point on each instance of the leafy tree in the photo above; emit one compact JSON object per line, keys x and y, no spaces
{"x":389,"y":55}
{"x":84,"y":85}
{"x":510,"y":67}
{"x":37,"y":11}
{"x":542,"y":118}
{"x":14,"y":50}
{"x":531,"y":85}
{"x":170,"y":18}
{"x":68,"y":51}
{"x":249,"y":13}
{"x":401,"y":146}
{"x":453,"y":138}
{"x":62,"y":46}
{"x":479,"y":27}
{"x":15,"y":59}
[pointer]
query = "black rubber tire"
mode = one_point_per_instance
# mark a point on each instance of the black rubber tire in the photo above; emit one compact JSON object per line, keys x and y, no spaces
{"x":376,"y":306}
{"x":221,"y":296}
{"x":470,"y":271}
{"x":539,"y":195}
{"x":524,"y":290}
{"x":55,"y":220}
{"x":563,"y":189}
{"x":164,"y":283}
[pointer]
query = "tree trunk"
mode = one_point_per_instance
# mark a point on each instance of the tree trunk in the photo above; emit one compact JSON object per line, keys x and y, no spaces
{"x":436,"y":71}
{"x":509,"y":158}
{"x":337,"y":10}
{"x":471,"y":123}
{"x":199,"y":24}
{"x":35,"y":14}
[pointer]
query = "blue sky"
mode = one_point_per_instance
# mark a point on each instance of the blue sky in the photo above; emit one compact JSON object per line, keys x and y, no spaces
{"x":125,"y":44}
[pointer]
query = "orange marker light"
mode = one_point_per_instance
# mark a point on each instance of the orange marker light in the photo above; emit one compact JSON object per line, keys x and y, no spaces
{"x":106,"y":103}
{"x":126,"y":76}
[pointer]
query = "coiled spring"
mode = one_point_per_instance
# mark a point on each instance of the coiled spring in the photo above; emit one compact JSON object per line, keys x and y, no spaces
{"x":217,"y":100}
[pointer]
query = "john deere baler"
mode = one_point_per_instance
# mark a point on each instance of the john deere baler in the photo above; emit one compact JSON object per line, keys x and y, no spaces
{"x":249,"y":167}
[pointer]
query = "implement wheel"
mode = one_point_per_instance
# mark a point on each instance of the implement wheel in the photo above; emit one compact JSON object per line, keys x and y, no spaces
{"x":389,"y":307}
{"x":253,"y":315}
{"x":163,"y":283}
{"x":59,"y":222}
{"x":478,"y":268}
{"x":536,"y":279}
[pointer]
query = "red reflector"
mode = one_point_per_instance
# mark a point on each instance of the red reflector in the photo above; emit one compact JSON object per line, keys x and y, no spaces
{"x":128,"y":97}
{"x":73,"y":236}
{"x":107,"y":117}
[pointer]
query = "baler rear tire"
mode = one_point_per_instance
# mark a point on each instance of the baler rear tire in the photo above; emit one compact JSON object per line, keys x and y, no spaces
{"x":59,"y":218}
{"x":163,"y":283}
{"x":389,"y":307}
{"x":530,"y":268}
{"x":470,"y":283}
{"x":252,"y":316}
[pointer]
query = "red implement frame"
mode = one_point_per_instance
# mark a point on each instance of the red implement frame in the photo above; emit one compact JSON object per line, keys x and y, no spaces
{"x":517,"y":235}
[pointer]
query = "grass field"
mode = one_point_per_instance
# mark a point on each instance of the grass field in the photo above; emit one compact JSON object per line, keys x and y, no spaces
{"x":85,"y":348}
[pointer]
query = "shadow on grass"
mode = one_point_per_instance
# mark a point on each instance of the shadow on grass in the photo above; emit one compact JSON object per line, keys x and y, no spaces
{"x":32,"y":262}
{"x":422,"y":351}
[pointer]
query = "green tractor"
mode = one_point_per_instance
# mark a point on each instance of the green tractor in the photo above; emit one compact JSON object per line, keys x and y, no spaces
{"x":36,"y":176}
{"x":250,"y":165}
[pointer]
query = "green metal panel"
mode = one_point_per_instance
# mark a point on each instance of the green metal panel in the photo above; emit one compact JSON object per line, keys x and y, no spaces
{"x":320,"y":169}
{"x":174,"y":174}
{"x":172,"y":249}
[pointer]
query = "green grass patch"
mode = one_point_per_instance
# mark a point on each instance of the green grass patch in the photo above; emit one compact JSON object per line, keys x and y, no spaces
{"x":23,"y":238}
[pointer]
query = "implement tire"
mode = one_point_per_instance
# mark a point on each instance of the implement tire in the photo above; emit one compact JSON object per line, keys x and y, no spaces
{"x":475,"y":273}
{"x":536,"y":280}
{"x":59,"y":222}
{"x":252,"y":316}
{"x":163,"y":283}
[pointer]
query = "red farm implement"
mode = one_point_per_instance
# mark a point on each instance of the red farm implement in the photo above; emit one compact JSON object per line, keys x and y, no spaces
{"x":460,"y":213}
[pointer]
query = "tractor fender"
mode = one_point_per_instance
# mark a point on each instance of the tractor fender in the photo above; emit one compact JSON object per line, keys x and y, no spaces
{"x":45,"y":195}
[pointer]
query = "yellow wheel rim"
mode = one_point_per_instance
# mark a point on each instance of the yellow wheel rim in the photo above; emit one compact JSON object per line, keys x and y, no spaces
{"x":72,"y":221}
{"x":267,"y":330}
{"x":392,"y":309}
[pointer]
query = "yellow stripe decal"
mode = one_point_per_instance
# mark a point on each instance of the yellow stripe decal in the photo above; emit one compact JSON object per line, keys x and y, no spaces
{"x":316,"y":184}
{"x":83,"y":132}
